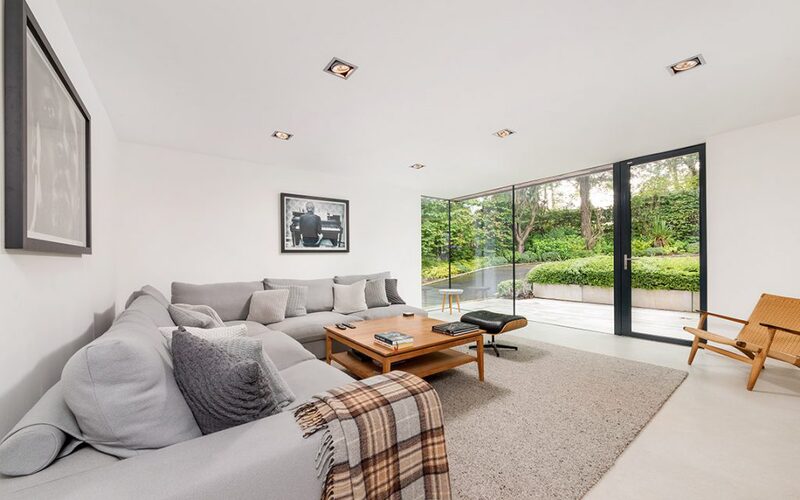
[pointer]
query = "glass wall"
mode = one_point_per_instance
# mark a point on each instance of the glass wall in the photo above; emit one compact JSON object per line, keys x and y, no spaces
{"x":481,"y":252}
{"x":435,"y":249}
{"x":565,"y":243}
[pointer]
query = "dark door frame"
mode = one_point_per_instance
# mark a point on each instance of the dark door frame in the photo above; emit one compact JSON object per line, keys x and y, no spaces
{"x":622,"y":240}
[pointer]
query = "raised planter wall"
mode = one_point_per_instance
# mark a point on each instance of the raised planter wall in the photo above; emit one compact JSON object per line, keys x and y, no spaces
{"x":670,"y":300}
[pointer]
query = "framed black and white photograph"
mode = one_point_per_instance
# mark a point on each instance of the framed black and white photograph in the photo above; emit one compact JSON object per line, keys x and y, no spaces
{"x":47,"y":144}
{"x":314,"y":224}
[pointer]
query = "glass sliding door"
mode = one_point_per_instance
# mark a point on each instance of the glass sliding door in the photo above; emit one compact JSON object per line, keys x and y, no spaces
{"x":662,"y":282}
{"x":564,"y":236}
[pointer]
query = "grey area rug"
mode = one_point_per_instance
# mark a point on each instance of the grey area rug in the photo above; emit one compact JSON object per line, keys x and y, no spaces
{"x":548,"y":421}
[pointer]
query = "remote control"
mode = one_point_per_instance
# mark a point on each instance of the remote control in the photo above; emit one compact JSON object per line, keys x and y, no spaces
{"x":408,"y":314}
{"x":349,"y":325}
{"x":340,"y":326}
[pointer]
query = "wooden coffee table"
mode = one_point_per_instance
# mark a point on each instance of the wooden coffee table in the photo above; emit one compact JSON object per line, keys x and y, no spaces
{"x":431,"y":353}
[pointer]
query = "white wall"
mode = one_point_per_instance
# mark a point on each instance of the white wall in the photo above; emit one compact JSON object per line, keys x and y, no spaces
{"x":51,"y":305}
{"x":203,"y":219}
{"x":753,"y":208}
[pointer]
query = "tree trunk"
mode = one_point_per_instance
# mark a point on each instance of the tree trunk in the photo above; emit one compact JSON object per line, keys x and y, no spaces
{"x":587,"y":231}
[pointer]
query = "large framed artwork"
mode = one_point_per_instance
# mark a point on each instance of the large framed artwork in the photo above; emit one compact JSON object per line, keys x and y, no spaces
{"x":314,"y":224}
{"x":47,"y":144}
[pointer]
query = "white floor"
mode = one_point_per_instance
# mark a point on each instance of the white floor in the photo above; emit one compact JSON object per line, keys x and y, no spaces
{"x":712,"y":439}
{"x":586,"y":315}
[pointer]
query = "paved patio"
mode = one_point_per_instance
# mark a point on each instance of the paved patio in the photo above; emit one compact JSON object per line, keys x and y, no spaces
{"x":581,"y":315}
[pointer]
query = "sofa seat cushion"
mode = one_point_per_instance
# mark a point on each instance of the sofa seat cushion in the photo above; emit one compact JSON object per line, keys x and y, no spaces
{"x":388,"y":312}
{"x":230,"y":300}
{"x":309,"y":327}
{"x":282,"y":349}
{"x":309,"y":378}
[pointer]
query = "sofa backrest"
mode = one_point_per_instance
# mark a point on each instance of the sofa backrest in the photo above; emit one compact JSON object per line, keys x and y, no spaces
{"x":121,"y":388}
{"x":230,"y":300}
{"x":320,"y":291}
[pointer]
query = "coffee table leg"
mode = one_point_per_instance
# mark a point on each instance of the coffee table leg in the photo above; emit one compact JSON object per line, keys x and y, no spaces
{"x":479,"y":353}
{"x":387,"y":366}
{"x":328,"y":349}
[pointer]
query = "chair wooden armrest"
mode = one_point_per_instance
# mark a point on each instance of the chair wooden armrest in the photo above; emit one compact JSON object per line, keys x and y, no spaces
{"x":735,"y":320}
{"x":783,"y":329}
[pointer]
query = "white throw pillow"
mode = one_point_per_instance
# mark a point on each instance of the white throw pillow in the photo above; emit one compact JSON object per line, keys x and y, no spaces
{"x":349,"y":299}
{"x":268,"y":306}
{"x":209,"y":334}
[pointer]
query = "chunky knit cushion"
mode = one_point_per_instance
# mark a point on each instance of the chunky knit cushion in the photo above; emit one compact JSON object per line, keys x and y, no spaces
{"x":296,"y":304}
{"x":391,"y":292}
{"x":221,"y":390}
{"x":197,"y":316}
{"x":250,"y":348}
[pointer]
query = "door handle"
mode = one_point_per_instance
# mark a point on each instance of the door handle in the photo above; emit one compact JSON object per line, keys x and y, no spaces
{"x":626,"y":259}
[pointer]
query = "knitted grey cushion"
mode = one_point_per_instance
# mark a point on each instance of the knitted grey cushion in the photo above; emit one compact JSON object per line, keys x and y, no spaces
{"x":268,"y":306}
{"x":250,"y":348}
{"x":221,"y":390}
{"x":375,"y":293}
{"x":198,"y":316}
{"x":296,"y":305}
{"x":391,"y":292}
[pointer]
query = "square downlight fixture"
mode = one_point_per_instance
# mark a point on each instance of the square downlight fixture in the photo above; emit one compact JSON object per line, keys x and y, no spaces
{"x":340,"y":69}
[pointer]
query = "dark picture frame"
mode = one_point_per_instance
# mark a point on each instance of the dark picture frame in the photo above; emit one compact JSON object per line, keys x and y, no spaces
{"x":57,"y":217}
{"x":332,"y":214}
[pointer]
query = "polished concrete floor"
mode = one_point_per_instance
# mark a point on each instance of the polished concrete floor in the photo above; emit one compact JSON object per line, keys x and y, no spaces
{"x":712,"y":439}
{"x":585,"y":315}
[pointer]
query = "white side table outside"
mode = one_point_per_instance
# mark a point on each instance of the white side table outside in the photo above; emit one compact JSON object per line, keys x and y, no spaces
{"x":447,"y":297}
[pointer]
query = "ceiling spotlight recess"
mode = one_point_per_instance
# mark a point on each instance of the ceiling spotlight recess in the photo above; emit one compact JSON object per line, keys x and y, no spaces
{"x":284,"y":136}
{"x":686,"y":64}
{"x":503,"y":133}
{"x":417,"y":166}
{"x":339,"y":68}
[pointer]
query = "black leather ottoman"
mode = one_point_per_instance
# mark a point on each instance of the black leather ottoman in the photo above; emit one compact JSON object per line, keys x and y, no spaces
{"x":495,"y":323}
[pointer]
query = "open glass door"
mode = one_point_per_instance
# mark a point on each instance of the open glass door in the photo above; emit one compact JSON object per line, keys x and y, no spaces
{"x":660,"y":259}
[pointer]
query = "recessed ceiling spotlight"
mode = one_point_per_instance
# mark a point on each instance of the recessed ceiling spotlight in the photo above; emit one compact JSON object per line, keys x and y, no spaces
{"x":503,"y":133}
{"x":342,"y":69}
{"x":284,"y":136}
{"x":686,"y":64}
{"x":417,"y":166}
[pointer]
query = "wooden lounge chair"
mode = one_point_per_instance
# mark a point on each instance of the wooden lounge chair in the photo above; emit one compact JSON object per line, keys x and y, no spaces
{"x":773,"y":330}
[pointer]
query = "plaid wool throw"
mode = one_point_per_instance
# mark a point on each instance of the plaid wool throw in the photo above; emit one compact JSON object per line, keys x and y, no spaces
{"x":383,"y":439}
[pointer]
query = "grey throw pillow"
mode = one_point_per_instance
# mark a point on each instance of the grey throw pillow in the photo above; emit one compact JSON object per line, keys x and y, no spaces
{"x":296,"y":304}
{"x":250,"y":348}
{"x":391,"y":292}
{"x":375,"y":293}
{"x":197,"y":316}
{"x":268,"y":306}
{"x":221,"y":390}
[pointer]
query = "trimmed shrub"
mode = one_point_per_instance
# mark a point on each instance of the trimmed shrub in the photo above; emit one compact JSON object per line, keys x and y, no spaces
{"x":652,"y":273}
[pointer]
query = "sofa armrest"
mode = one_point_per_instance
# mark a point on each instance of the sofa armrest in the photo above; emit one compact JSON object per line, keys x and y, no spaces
{"x":268,"y":458}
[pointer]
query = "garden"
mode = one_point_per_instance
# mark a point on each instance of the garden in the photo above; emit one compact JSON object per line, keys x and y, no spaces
{"x":563,"y":232}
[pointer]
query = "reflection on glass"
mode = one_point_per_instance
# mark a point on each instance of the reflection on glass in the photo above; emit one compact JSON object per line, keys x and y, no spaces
{"x":665,"y":234}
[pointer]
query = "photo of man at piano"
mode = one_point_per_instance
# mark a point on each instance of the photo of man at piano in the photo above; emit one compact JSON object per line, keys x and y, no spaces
{"x":314,"y":224}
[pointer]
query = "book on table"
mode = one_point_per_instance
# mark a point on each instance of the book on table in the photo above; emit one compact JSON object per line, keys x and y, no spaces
{"x":455,"y":328}
{"x":394,"y":339}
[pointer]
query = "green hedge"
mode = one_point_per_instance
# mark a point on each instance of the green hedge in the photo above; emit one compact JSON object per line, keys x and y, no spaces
{"x":652,"y":273}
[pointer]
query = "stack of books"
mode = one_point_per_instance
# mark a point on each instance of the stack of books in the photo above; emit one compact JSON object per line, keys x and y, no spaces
{"x":455,"y":328}
{"x":394,"y":340}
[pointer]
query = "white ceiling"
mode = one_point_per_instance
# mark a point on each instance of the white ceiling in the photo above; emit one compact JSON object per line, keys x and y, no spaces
{"x":582,"y":83}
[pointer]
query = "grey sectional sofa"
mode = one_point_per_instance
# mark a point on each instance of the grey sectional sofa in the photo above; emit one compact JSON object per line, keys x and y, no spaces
{"x":267,"y":458}
{"x":232,"y":302}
